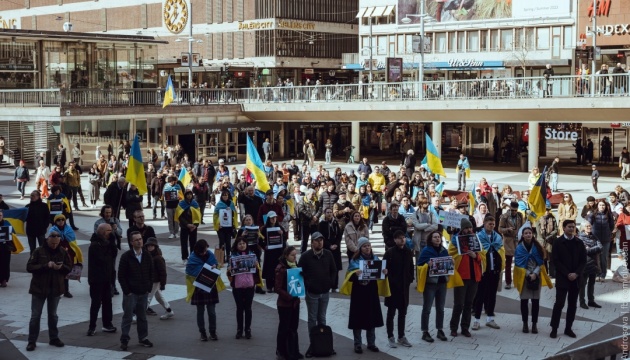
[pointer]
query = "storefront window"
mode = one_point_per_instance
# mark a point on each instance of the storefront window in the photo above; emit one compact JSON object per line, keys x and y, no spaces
{"x":17,"y":65}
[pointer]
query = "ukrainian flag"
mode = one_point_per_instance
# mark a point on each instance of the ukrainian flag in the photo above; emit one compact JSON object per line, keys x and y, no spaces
{"x":433,"y":160}
{"x":194,"y":209}
{"x":17,"y":218}
{"x":185,"y":177}
{"x":255,"y":166}
{"x":537,"y":199}
{"x":169,"y":93}
{"x":440,"y":188}
{"x":135,"y":169}
{"x":472,"y":204}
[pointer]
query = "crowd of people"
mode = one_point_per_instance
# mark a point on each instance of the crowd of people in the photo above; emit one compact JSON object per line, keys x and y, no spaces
{"x":494,"y":246}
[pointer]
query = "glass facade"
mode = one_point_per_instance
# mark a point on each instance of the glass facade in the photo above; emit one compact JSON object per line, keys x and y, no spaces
{"x":18,"y":64}
{"x":288,"y":43}
{"x":311,"y":10}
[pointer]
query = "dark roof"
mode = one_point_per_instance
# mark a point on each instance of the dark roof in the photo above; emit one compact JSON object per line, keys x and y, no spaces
{"x":74,"y":36}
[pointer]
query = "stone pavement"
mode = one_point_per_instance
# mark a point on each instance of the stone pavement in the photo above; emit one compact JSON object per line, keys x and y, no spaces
{"x":178,"y":337}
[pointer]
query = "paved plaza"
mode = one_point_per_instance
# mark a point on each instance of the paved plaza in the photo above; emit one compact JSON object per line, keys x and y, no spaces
{"x":178,"y":338}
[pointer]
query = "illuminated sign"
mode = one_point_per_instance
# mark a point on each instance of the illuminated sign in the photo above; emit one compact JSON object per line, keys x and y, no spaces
{"x":603,"y":8}
{"x":616,"y":29}
{"x":464,"y":63}
{"x":277,"y":24}
{"x":296,"y":25}
{"x":255,"y":25}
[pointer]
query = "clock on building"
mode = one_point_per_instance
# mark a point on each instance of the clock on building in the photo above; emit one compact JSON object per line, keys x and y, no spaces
{"x":175,"y":14}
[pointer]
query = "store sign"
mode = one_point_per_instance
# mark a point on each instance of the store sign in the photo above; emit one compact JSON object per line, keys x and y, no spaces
{"x":277,"y":24}
{"x":553,"y":134}
{"x":603,"y":8}
{"x":9,"y":23}
{"x":256,"y":25}
{"x":616,"y":29}
{"x":295,"y":25}
{"x":464,"y":63}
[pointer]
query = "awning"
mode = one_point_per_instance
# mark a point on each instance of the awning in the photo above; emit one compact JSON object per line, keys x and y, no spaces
{"x":362,"y":12}
{"x":197,"y":69}
{"x":352,"y":67}
{"x":378,"y":12}
{"x":368,"y":12}
{"x":389,"y":10}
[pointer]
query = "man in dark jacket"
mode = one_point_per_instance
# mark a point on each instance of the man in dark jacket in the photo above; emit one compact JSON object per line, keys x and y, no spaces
{"x":49,"y":265}
{"x":318,"y":269}
{"x":393,"y":222}
{"x":101,"y":257}
{"x":365,"y":167}
{"x":135,"y":269}
{"x":36,"y":220}
{"x":139,"y":225}
{"x":249,"y":203}
{"x":157,"y":186}
{"x":133,"y":202}
{"x":116,"y":196}
{"x":569,"y":257}
{"x":329,"y":197}
{"x":150,"y":174}
{"x":400,"y":272}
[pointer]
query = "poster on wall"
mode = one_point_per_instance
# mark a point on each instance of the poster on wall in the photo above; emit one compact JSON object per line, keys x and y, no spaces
{"x":469,"y":10}
{"x":394,"y":69}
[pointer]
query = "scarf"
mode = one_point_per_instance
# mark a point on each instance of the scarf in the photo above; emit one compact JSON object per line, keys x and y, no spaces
{"x":495,"y":242}
{"x":522,"y":255}
{"x":291,"y":264}
{"x":430,"y":252}
{"x":196,"y":262}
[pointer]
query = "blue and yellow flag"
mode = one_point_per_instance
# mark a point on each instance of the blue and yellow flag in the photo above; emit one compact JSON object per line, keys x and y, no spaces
{"x":538,"y":199}
{"x":169,"y":93}
{"x":194,"y":209}
{"x":440,"y":188}
{"x":433,"y":159}
{"x":185,"y":177}
{"x":472,"y":204}
{"x":135,"y":169}
{"x":255,"y":166}
{"x":17,"y":218}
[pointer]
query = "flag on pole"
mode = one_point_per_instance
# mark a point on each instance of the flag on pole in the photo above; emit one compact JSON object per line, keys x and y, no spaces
{"x":255,"y":166}
{"x":169,"y":93}
{"x":135,"y":168}
{"x":472,"y":203}
{"x":440,"y":188}
{"x":185,"y":177}
{"x":538,"y":199}
{"x":433,"y":160}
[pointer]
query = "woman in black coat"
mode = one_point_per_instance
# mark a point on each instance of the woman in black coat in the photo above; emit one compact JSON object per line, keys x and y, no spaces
{"x":329,"y":227}
{"x":272,"y":252}
{"x":603,"y":225}
{"x":593,"y":249}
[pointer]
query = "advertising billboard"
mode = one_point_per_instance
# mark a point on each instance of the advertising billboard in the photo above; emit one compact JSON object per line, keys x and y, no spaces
{"x":469,"y":10}
{"x":394,"y":69}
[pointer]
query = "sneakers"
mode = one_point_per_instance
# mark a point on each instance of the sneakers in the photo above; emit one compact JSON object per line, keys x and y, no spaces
{"x":404,"y":342}
{"x":151,"y":312}
{"x":146,"y":343}
{"x":476,"y":325}
{"x":427,"y":337}
{"x":167,"y":315}
{"x":391,"y":342}
{"x":492,"y":324}
{"x":171,"y":236}
{"x":134,"y":319}
{"x":59,"y":343}
{"x":109,"y":329}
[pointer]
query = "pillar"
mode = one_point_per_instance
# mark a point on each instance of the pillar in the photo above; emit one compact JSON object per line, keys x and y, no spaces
{"x":534,"y":140}
{"x":436,"y":137}
{"x":355,"y":139}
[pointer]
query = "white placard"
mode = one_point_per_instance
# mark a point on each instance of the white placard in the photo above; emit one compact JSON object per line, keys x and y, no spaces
{"x":452,"y":219}
{"x":225,"y":217}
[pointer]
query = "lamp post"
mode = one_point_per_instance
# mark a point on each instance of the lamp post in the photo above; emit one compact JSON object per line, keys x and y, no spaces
{"x":407,"y":20}
{"x":594,"y":34}
{"x":190,"y":42}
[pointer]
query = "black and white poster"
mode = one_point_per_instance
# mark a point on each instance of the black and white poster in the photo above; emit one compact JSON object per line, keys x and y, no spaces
{"x":372,"y":269}
{"x":171,"y":196}
{"x":440,"y":266}
{"x":274,"y":238}
{"x":243,"y":264}
{"x":466,"y":243}
{"x":251,"y":235}
{"x":207,"y":278}
{"x":5,"y":234}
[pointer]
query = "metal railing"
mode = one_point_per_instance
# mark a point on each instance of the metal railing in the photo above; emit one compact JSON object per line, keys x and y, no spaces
{"x":609,"y":85}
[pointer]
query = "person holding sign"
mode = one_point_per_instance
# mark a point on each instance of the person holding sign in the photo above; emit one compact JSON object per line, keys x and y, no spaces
{"x":365,"y":305}
{"x":189,"y":217}
{"x":243,"y":284}
{"x":287,"y":344}
{"x":509,"y":224}
{"x":274,"y":244}
{"x":465,"y":279}
{"x":203,"y":300}
{"x":225,"y":221}
{"x":68,"y":242}
{"x":400,"y":272}
{"x":6,"y":247}
{"x":434,"y":286}
{"x":171,"y":194}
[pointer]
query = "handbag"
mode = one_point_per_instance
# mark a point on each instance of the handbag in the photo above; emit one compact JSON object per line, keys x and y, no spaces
{"x":533,"y":284}
{"x":75,"y":273}
{"x":219,"y":253}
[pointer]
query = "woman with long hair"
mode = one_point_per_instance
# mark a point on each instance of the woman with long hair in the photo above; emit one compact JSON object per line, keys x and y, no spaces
{"x":603,"y":226}
{"x":311,"y":155}
{"x":273,"y":247}
{"x":225,"y":221}
{"x":592,"y":270}
{"x":94,"y":177}
{"x":204,"y":301}
{"x":424,"y":223}
{"x":287,"y":344}
{"x":416,"y":185}
{"x":529,"y":275}
{"x":242,"y":290}
{"x":373,"y":218}
{"x":507,"y":194}
{"x":354,"y":230}
{"x":567,"y":210}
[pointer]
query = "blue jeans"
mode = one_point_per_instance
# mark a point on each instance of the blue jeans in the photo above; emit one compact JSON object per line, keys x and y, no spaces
{"x":432,"y":292}
{"x":370,"y":335}
{"x":554,"y":182}
{"x":37,"y":306}
{"x":21,"y":186}
{"x":134,"y":304}
{"x":316,"y":305}
{"x":603,"y":258}
{"x":212,"y":318}
{"x":328,"y":157}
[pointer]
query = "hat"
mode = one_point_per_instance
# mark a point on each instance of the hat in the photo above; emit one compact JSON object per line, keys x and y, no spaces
{"x":316,"y":235}
{"x":60,"y":216}
{"x":342,"y":192}
{"x":53,"y":231}
{"x":221,"y":161}
{"x":271,"y":214}
{"x":527,"y":225}
{"x":152,"y":241}
{"x":269,"y":192}
{"x":465,"y":224}
{"x":514,"y":205}
{"x":362,"y":241}
{"x":462,"y":205}
{"x":590,"y":198}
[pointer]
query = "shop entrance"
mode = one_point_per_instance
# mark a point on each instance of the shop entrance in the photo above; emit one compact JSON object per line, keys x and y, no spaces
{"x":188,"y":144}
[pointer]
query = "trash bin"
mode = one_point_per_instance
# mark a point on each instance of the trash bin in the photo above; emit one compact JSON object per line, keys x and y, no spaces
{"x":524,"y":162}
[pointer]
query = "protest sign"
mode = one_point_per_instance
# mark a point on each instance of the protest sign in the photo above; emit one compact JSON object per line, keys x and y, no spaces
{"x":295,"y":282}
{"x":372,"y":269}
{"x":452,"y":219}
{"x":5,"y":234}
{"x":243,"y":264}
{"x":441,"y":266}
{"x":251,"y":235}
{"x":274,"y":238}
{"x":171,"y":196}
{"x":207,"y":278}
{"x":225,"y":217}
{"x":466,"y":243}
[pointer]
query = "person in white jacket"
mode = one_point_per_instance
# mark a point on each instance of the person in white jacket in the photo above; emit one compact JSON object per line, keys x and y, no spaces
{"x":41,"y":179}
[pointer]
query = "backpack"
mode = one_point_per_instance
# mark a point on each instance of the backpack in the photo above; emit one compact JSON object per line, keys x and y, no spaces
{"x":321,"y":338}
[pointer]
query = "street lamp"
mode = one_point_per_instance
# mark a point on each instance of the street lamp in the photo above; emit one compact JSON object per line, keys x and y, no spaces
{"x":407,"y":20}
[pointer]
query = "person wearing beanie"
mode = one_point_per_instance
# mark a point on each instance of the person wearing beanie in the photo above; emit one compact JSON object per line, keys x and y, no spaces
{"x":319,"y":269}
{"x":68,"y":241}
{"x":589,"y":208}
{"x":509,"y":223}
{"x":158,"y":276}
{"x":494,"y":252}
{"x":466,"y":279}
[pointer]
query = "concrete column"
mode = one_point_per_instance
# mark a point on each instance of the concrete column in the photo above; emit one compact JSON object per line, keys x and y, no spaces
{"x":355,"y":140}
{"x":532,"y":156}
{"x":436,"y":136}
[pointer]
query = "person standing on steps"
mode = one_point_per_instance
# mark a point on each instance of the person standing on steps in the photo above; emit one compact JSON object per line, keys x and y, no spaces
{"x":569,"y":257}
{"x":462,"y":165}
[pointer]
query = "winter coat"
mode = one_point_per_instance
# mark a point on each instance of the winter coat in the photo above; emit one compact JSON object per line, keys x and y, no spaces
{"x":508,"y":228}
{"x":47,"y":281}
{"x":327,"y":200}
{"x":135,"y":277}
{"x":400,"y":272}
{"x":284,"y":299}
{"x":159,"y":267}
{"x":133,"y":202}
{"x":423,"y":224}
{"x":365,"y":304}
{"x":101,"y":257}
{"x":37,"y":218}
{"x":351,"y":235}
{"x":332,"y":236}
{"x":568,"y":257}
{"x":603,"y":224}
{"x":390,"y":226}
{"x":593,"y":249}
